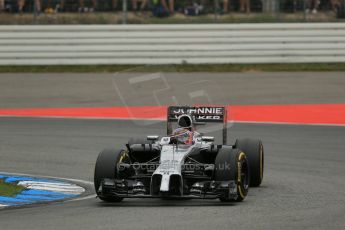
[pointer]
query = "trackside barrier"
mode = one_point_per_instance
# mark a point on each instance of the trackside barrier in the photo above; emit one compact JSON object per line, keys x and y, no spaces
{"x":172,"y":44}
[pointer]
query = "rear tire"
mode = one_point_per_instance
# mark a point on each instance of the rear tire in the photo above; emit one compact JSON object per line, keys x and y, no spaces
{"x":106,"y":168}
{"x":237,"y":161}
{"x":255,"y":153}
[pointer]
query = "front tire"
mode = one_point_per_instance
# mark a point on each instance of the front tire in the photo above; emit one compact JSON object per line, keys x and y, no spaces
{"x":238,"y":170}
{"x":106,"y":168}
{"x":255,"y":154}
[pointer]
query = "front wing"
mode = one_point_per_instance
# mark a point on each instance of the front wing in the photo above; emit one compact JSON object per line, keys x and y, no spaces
{"x":199,"y":190}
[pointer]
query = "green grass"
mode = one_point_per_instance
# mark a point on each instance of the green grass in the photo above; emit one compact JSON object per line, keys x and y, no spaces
{"x":147,"y":18}
{"x":174,"y":68}
{"x":9,"y":189}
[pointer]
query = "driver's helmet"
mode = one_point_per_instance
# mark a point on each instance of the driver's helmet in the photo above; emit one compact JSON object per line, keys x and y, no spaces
{"x":185,"y":121}
{"x":183,"y":136}
{"x":184,"y":133}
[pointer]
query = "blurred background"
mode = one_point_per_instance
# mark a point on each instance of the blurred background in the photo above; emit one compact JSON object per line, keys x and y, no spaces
{"x":168,"y":11}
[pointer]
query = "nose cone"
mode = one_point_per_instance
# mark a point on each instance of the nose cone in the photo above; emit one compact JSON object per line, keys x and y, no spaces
{"x":172,"y":184}
{"x":165,"y":183}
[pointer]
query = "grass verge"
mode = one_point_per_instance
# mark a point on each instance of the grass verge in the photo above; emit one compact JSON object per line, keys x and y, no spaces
{"x":147,"y":18}
{"x":320,"y":67}
{"x":9,"y":189}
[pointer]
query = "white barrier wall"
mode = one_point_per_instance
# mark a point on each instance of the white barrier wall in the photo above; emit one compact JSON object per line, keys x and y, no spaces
{"x":172,"y":44}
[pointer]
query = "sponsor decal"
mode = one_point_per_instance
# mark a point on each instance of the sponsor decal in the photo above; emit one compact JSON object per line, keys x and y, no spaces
{"x":201,"y":117}
{"x":198,"y":110}
{"x":199,"y":113}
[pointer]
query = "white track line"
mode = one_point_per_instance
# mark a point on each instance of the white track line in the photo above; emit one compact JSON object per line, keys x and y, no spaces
{"x":54,"y":187}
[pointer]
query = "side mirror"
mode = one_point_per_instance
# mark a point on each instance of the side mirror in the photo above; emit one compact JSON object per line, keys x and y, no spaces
{"x":207,"y":138}
{"x":165,"y":141}
{"x":152,"y":138}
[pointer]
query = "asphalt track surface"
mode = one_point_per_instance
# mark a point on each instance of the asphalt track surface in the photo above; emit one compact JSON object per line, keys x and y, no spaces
{"x":304,"y":183}
{"x":103,"y":89}
{"x":303,"y":188}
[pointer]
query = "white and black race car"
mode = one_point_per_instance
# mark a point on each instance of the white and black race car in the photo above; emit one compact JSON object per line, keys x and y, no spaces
{"x":195,"y":167}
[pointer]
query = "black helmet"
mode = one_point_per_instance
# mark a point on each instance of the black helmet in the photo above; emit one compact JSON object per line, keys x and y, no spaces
{"x":185,"y":121}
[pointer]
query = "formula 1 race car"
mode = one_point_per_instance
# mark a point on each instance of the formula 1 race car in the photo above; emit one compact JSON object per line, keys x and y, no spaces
{"x":183,"y":164}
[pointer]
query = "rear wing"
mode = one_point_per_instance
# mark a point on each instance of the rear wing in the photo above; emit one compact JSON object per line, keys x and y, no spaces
{"x":204,"y":114}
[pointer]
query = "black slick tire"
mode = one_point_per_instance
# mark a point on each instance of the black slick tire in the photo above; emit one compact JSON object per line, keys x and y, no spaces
{"x":255,"y":154}
{"x":237,"y":171}
{"x":106,"y":168}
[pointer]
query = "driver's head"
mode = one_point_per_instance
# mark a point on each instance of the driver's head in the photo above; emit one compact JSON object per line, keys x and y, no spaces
{"x":183,"y":136}
{"x":185,"y":121}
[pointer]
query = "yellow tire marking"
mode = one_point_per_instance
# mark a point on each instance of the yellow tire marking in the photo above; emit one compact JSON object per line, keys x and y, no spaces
{"x":122,"y":156}
{"x":239,"y":167}
{"x":240,"y":189}
{"x":238,"y":172}
{"x":242,"y":154}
